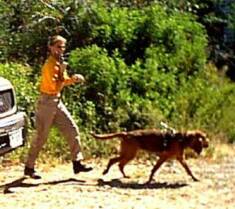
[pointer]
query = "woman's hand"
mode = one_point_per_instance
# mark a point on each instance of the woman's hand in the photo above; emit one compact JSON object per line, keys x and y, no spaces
{"x":78,"y":78}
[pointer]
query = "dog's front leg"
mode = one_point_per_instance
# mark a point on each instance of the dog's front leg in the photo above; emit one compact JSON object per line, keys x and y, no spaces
{"x":155,"y":168}
{"x":111,"y":162}
{"x":189,"y":172}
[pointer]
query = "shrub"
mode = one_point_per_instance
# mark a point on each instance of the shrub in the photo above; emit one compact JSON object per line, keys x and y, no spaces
{"x":26,"y":90}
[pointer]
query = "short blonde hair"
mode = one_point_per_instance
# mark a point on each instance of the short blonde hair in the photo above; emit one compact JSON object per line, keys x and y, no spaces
{"x":54,"y":39}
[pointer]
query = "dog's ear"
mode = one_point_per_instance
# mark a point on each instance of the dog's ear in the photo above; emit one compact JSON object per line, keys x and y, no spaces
{"x":202,"y":138}
{"x":198,"y":140}
{"x":197,"y":145}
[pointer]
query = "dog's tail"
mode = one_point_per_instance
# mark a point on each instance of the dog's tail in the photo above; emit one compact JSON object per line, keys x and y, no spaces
{"x":109,"y":136}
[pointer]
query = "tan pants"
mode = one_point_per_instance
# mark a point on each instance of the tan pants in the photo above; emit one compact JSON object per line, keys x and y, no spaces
{"x":51,"y":111}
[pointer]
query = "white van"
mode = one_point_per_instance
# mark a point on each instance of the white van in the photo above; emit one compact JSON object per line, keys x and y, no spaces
{"x":12,"y":122}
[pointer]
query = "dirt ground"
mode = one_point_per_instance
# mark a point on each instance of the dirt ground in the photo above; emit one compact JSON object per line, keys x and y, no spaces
{"x":172,"y":188}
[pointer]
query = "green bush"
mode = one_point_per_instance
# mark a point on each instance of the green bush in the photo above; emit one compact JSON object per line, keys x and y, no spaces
{"x":205,"y":102}
{"x":133,"y":86}
{"x":26,"y":90}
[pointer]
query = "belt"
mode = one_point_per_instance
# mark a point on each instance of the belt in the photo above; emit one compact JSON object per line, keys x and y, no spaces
{"x":57,"y":95}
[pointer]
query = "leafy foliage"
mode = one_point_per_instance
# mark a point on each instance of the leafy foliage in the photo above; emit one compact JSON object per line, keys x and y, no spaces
{"x":25,"y":89}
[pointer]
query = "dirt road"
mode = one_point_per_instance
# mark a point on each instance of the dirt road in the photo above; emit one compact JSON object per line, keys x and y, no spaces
{"x":172,"y":188}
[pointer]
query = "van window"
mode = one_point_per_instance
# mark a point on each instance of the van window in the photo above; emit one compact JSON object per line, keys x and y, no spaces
{"x":6,"y":100}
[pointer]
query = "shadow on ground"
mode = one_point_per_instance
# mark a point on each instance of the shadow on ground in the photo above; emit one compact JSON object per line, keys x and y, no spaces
{"x":6,"y":188}
{"x":20,"y":183}
{"x":135,"y":185}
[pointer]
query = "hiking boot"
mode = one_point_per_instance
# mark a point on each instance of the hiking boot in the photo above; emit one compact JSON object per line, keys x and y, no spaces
{"x":31,"y":173}
{"x":78,"y":167}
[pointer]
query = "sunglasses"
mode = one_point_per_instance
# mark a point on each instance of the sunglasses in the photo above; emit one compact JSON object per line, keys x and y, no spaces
{"x":60,"y":47}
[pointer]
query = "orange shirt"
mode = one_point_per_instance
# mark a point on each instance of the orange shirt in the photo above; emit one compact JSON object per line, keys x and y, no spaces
{"x":51,"y":81}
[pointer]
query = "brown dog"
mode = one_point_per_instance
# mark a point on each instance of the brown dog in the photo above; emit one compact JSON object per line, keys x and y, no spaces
{"x":166,"y":145}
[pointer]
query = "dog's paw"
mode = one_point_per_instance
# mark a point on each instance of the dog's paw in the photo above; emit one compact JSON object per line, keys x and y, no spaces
{"x":195,"y":179}
{"x":148,"y":182}
{"x":105,"y":172}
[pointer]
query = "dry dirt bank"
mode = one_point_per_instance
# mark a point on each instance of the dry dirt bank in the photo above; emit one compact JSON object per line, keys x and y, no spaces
{"x":172,"y":188}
